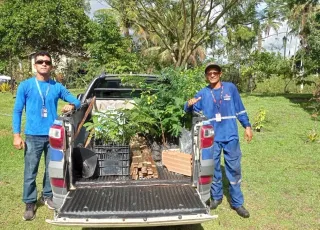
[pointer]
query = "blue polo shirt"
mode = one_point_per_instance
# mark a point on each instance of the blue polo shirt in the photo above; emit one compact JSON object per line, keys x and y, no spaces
{"x":28,"y":97}
{"x":225,"y":101}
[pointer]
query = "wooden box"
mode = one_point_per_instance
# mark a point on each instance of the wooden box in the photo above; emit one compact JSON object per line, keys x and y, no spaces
{"x":177,"y":161}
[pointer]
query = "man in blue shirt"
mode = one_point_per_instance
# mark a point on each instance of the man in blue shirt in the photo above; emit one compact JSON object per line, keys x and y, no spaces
{"x":39,"y":96}
{"x":220,"y":102}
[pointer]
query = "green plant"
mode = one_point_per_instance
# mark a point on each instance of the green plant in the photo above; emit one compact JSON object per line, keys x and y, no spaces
{"x":158,"y":111}
{"x":120,"y":125}
{"x":312,"y":136}
{"x":5,"y":87}
{"x":164,"y":100}
{"x":107,"y":126}
{"x":259,"y":119}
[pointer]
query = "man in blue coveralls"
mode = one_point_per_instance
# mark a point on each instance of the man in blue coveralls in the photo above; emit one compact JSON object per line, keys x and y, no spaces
{"x":220,"y":102}
{"x":39,"y":96}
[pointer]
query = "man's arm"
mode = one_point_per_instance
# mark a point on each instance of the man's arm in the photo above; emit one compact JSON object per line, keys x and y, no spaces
{"x":20,"y":102}
{"x":68,"y":97}
{"x":241,"y":112}
{"x":194,"y":104}
{"x":248,"y":134}
{"x":242,"y":115}
{"x":189,"y":104}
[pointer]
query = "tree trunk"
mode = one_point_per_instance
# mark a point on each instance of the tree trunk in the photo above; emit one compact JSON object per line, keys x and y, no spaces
{"x":259,"y":42}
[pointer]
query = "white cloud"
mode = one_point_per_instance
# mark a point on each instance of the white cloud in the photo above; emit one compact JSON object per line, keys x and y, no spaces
{"x":274,"y":42}
{"x":97,"y":5}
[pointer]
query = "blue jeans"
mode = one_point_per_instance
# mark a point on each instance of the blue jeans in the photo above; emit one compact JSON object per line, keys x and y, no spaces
{"x":232,"y":159}
{"x":34,"y":146}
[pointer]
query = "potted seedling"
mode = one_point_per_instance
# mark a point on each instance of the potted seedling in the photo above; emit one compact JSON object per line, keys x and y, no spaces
{"x":259,"y":120}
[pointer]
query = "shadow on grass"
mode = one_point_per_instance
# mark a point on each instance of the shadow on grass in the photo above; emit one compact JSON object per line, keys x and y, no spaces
{"x":302,"y":100}
{"x":179,"y":227}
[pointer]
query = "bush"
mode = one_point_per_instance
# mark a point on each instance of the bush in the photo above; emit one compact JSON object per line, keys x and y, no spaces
{"x":277,"y":84}
{"x":5,"y":87}
{"x":259,"y":119}
{"x":166,"y":105}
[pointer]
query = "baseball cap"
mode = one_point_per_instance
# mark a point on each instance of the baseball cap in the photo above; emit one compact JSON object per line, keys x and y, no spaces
{"x":212,"y":65}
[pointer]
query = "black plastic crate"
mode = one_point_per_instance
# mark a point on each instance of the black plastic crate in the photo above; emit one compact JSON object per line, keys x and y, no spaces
{"x":113,"y":159}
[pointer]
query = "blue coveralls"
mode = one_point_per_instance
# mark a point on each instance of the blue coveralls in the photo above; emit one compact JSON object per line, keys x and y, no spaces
{"x":225,"y":101}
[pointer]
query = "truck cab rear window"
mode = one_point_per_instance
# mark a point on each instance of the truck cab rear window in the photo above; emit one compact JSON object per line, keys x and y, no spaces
{"x":115,"y":89}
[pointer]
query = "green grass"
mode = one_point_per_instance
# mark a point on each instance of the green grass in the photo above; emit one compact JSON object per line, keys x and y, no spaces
{"x":281,"y":172}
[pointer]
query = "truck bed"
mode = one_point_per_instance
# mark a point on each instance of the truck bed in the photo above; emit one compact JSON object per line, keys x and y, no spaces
{"x":118,"y":201}
{"x":130,"y":201}
{"x":165,"y":177}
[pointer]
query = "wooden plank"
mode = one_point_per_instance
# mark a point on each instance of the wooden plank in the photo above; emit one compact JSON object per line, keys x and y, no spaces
{"x":178,"y":162}
{"x":174,"y":154}
{"x":136,"y":153}
{"x":84,"y":117}
{"x":144,"y":170}
{"x":136,"y":159}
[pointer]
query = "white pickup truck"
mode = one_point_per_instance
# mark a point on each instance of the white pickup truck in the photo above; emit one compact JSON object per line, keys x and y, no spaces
{"x":109,"y":197}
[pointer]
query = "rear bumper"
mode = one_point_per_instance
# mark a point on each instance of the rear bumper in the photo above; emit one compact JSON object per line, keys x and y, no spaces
{"x":134,"y":222}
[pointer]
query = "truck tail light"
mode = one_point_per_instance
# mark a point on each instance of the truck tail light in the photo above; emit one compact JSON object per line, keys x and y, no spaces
{"x":58,"y":182}
{"x":56,"y":135}
{"x":207,"y":136}
{"x":205,"y":180}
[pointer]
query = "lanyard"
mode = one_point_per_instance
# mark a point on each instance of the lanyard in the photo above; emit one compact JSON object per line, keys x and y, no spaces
{"x":214,"y":99}
{"x":43,"y":98}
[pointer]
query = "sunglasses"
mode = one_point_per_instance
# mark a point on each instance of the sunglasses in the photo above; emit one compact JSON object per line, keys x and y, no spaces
{"x":213,"y":73}
{"x":40,"y":62}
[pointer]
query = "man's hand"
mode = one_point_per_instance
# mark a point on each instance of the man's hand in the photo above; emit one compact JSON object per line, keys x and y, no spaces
{"x":248,"y":134}
{"x":18,"y":142}
{"x":193,"y":101}
{"x":68,"y":108}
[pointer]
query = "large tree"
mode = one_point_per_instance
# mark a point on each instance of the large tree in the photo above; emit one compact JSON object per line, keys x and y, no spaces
{"x":175,"y":28}
{"x":57,"y":26}
{"x":303,"y":17}
{"x":126,"y":14}
{"x":270,"y":17}
{"x":182,"y":26}
{"x":107,"y":48}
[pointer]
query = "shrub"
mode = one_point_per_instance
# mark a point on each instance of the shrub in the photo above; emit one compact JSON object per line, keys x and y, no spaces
{"x":313,"y":136}
{"x":259,"y":119}
{"x":5,"y":87}
{"x":277,"y":84}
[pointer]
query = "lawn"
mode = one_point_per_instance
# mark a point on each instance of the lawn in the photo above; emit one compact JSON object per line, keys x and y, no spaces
{"x":281,"y":172}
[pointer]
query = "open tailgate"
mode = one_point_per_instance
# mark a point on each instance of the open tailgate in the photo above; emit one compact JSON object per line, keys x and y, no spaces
{"x":132,"y":206}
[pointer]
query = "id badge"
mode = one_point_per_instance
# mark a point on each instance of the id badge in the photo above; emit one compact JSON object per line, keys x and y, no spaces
{"x":44,"y":112}
{"x":218,"y":117}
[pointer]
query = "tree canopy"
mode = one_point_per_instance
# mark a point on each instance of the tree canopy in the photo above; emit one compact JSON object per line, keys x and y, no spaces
{"x":107,"y":49}
{"x":147,"y":36}
{"x":57,"y":26}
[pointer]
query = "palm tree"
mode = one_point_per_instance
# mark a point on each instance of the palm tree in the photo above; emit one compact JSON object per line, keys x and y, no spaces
{"x":299,"y":15}
{"x":272,"y":18}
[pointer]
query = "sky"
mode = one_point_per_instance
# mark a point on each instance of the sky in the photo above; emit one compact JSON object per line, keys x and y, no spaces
{"x":97,"y":5}
{"x":275,"y":42}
